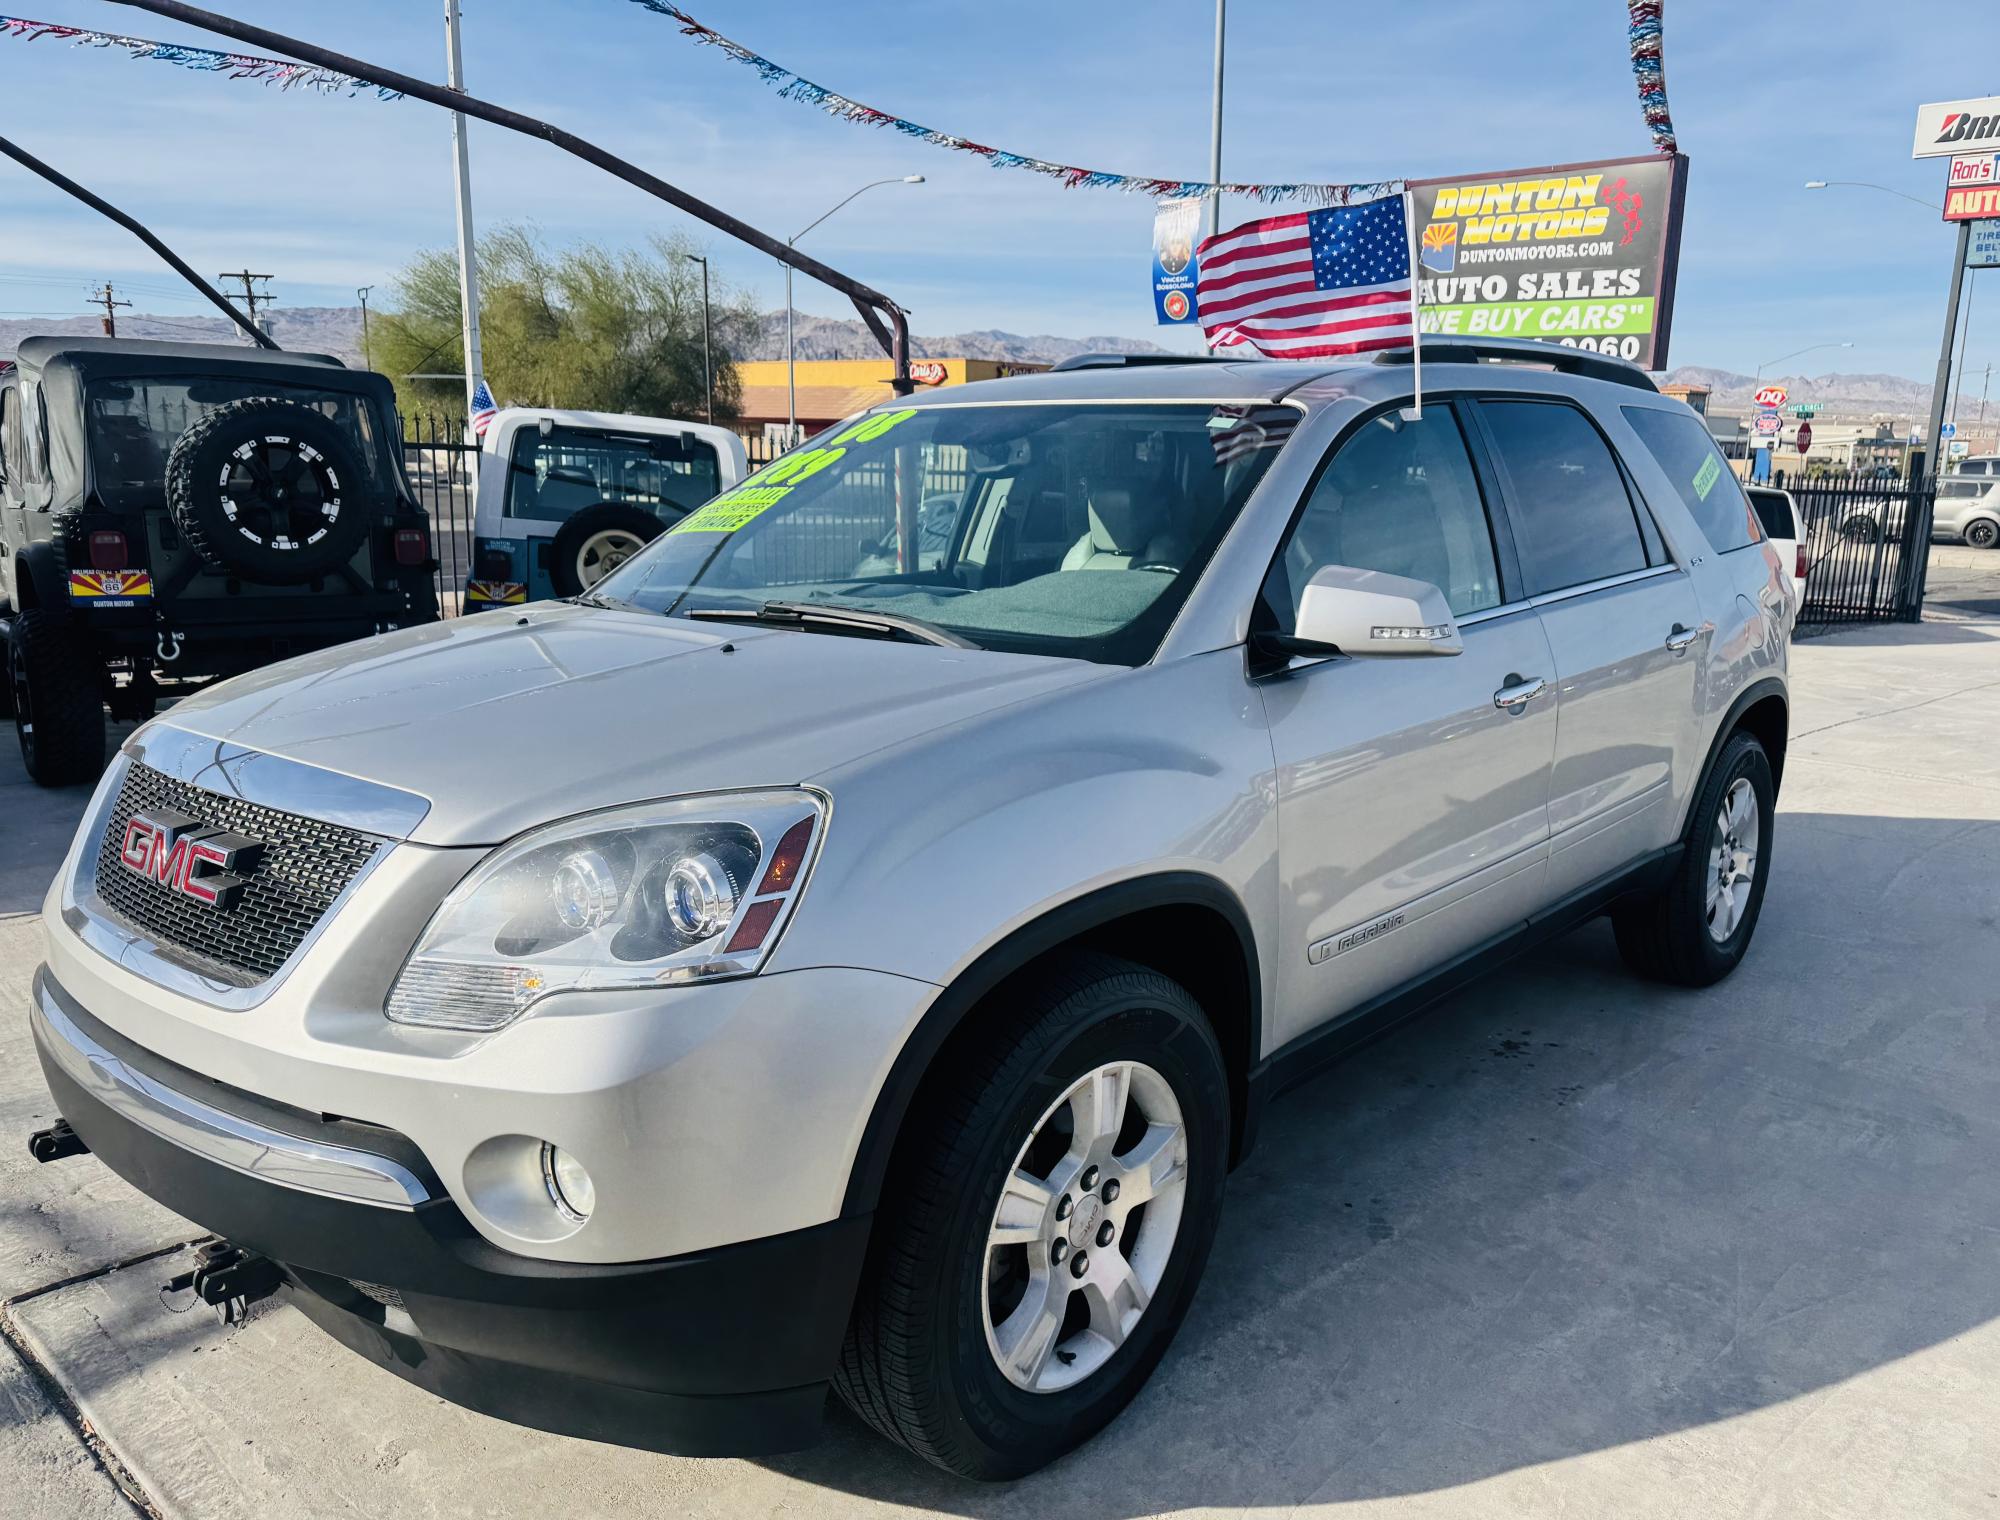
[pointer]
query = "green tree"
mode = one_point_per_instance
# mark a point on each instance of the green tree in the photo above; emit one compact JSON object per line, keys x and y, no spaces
{"x":612,"y":330}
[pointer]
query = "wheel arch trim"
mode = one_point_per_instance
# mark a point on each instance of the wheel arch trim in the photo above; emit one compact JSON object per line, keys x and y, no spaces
{"x":1070,"y":920}
{"x":1756,"y":692}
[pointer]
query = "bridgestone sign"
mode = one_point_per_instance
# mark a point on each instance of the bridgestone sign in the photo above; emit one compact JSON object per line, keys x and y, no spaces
{"x":1952,"y":127}
{"x":1578,"y":254}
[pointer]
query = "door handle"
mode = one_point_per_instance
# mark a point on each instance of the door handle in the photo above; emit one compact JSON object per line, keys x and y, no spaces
{"x":1682,"y":637}
{"x":1519,"y":692}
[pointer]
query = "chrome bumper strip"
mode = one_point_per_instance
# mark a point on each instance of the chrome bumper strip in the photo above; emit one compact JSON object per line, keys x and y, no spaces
{"x":305,"y":1166}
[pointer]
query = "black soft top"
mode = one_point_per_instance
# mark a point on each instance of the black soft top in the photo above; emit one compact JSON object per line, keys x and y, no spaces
{"x":60,"y":367}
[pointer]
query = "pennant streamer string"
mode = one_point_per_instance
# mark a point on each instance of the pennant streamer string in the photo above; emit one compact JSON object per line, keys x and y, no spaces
{"x":278,"y":71}
{"x":1649,"y":68}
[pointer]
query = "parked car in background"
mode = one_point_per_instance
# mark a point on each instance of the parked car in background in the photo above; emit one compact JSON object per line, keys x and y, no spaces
{"x":565,"y":497}
{"x":175,"y":512}
{"x":1779,"y":515}
{"x":1968,"y":510}
{"x":1979,"y":464}
{"x":793,"y":966}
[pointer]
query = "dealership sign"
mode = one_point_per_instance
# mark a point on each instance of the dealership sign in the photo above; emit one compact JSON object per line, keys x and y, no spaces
{"x":1583,"y":255}
{"x":1952,"y":127}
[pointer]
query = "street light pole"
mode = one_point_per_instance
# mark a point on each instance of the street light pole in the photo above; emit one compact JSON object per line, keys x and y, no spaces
{"x":791,"y":358}
{"x":468,"y":257}
{"x":1862,"y":184}
{"x":362,"y":291}
{"x":1809,"y":349}
{"x":707,"y":368}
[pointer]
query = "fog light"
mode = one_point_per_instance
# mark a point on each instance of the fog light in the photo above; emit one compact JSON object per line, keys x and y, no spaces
{"x":569,"y":1185}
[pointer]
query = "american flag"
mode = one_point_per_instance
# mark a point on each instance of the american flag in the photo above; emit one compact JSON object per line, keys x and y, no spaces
{"x":1235,"y":432}
{"x":484,"y":409}
{"x":1312,"y":285}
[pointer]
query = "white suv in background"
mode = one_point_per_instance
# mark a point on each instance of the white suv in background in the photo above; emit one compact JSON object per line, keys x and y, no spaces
{"x":850,"y":947}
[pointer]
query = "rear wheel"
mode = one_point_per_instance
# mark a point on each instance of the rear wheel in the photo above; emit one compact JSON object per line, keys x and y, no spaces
{"x":1695,"y":930}
{"x":1982,"y":533}
{"x":58,"y":701}
{"x":1046,"y":1224}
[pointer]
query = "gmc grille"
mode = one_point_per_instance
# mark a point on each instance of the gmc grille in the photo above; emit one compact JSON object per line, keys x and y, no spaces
{"x":305,"y":866}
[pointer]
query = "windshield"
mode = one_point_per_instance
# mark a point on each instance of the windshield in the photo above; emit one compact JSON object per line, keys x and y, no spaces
{"x":1061,"y":529}
{"x":134,"y":424}
{"x":558,"y":473}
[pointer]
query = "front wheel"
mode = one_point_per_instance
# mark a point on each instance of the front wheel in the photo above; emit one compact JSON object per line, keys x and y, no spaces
{"x":1696,"y":928}
{"x":1983,"y":533}
{"x":1044,"y":1229}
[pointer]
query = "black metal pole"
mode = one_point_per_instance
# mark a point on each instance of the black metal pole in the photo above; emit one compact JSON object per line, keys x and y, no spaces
{"x":707,"y":366}
{"x":103,"y":207}
{"x":872,"y":305}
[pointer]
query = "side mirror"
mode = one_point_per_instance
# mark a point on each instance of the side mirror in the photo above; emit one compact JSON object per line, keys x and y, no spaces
{"x":1372,"y":612}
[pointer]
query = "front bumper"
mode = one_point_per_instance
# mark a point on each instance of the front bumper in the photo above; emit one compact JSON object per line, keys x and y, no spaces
{"x":721,"y":1352}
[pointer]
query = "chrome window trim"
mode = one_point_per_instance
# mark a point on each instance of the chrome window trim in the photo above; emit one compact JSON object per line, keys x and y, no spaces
{"x":1548,"y":598}
{"x":272,"y":781}
{"x":1488,"y":614}
{"x":92,"y":920}
{"x":269,"y":1155}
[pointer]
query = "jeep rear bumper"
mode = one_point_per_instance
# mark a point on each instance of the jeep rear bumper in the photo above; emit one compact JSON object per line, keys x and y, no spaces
{"x":722,"y":1352}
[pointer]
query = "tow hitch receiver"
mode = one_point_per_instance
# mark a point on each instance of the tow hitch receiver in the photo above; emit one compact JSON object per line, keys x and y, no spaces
{"x":56,"y":1142}
{"x":229,"y":1277}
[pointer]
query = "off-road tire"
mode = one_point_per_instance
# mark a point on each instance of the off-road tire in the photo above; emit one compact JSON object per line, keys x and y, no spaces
{"x":57,"y":692}
{"x":916,"y":1365}
{"x":606,"y":517}
{"x":201,"y":510}
{"x":1664,"y":935}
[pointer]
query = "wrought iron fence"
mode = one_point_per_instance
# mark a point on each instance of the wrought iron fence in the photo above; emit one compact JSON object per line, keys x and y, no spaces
{"x":443,"y":467}
{"x":1867,"y":542}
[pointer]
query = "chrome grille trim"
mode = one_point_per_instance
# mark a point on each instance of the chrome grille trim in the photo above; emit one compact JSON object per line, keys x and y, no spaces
{"x":149,"y":954}
{"x":289,"y":786}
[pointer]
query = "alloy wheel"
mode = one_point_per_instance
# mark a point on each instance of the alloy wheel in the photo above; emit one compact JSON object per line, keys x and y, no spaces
{"x":1084,"y":1227}
{"x":1732,"y":858}
{"x":604,"y":552}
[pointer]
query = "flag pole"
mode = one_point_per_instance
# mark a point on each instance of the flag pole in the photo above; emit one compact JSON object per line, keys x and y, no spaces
{"x":1416,"y":326}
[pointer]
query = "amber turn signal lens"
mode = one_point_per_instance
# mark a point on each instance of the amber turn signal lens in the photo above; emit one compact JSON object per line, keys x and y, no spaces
{"x":782,"y":874}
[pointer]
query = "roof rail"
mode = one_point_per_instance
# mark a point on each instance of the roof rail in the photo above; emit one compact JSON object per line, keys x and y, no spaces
{"x":1570,"y":361}
{"x":1127,"y":361}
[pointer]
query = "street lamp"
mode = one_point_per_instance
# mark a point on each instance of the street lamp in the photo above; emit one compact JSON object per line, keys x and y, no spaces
{"x":707,"y":369}
{"x":1812,"y":348}
{"x":791,"y":360}
{"x":1862,"y":184}
{"x":362,"y":291}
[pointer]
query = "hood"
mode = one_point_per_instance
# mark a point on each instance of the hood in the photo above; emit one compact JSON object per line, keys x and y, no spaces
{"x":507,"y":720}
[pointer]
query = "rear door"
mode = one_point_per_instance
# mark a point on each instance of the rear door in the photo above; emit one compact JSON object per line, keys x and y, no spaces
{"x":1624,"y":625}
{"x":1412,"y":805}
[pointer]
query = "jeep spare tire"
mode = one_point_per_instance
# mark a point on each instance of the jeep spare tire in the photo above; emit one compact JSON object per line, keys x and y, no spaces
{"x":597,"y":541}
{"x":270,"y":490}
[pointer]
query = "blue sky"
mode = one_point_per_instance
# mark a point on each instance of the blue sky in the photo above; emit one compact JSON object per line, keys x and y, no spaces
{"x":335,"y":193}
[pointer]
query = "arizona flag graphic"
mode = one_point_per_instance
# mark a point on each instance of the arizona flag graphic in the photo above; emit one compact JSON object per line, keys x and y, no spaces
{"x":1440,"y":250}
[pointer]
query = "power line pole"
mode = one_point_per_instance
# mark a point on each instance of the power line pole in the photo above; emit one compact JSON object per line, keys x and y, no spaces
{"x":251,"y":295}
{"x":468,"y":255}
{"x":105,"y":299}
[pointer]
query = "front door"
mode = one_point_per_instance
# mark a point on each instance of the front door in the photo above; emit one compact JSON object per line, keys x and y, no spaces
{"x":1412,"y":804}
{"x":1626,"y":628}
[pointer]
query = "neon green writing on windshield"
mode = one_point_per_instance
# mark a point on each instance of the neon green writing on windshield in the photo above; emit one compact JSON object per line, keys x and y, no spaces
{"x":803,"y":465}
{"x":1706,"y":477}
{"x":867,"y":429}
{"x":728,"y":513}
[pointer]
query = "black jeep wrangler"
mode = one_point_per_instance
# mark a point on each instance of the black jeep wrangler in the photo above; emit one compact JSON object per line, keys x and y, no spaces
{"x":171,"y":513}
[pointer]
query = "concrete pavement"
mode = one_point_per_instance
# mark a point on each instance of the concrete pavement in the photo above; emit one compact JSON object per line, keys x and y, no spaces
{"x":1569,"y":1244}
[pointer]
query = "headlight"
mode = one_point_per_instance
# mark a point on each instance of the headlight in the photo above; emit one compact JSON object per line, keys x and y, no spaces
{"x":661,"y":893}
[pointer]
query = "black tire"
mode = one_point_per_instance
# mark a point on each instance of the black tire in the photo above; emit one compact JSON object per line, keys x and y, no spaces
{"x":1665,"y":935}
{"x":1861,"y":529}
{"x":916,"y":1364}
{"x":1982,"y":533}
{"x":271,"y":491}
{"x":57,"y":693}
{"x":570,"y":570}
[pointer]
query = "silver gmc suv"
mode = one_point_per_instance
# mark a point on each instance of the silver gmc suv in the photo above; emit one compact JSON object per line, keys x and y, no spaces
{"x":851,"y":946}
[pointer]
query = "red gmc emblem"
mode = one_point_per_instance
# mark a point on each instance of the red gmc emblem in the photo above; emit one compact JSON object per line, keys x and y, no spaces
{"x":180,"y":854}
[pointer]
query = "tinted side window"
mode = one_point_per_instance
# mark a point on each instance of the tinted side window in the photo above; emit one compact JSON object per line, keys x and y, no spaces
{"x":1573,"y":520}
{"x":1773,"y":511}
{"x":1705,"y":485}
{"x":10,"y":427}
{"x":1400,"y":497}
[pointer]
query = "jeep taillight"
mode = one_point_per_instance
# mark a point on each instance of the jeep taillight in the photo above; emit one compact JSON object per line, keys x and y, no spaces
{"x":109,"y":550}
{"x":412,"y":547}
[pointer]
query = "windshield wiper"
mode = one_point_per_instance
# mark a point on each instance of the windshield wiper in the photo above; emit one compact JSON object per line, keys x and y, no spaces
{"x":609,"y":603}
{"x":849,"y":619}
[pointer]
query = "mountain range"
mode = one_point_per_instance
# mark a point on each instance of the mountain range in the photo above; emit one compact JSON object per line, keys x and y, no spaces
{"x":337,"y":330}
